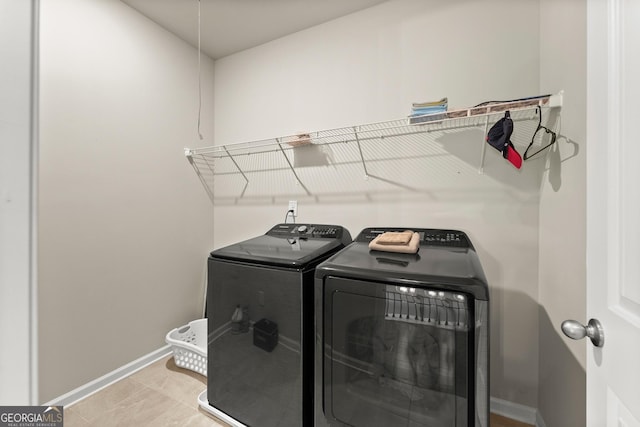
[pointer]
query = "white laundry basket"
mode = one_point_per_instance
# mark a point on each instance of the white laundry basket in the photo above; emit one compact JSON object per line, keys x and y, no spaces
{"x":189,"y":345}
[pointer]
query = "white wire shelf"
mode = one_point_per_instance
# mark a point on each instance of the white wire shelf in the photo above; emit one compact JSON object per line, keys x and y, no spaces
{"x":285,"y":158}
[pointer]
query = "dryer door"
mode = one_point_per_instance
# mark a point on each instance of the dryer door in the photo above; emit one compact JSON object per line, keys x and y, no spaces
{"x":396,"y":355}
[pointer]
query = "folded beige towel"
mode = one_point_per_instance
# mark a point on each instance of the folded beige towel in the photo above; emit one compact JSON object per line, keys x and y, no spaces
{"x":411,"y":247}
{"x":395,"y":238}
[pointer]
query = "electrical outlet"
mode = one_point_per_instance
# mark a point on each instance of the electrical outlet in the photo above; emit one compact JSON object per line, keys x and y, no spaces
{"x":293,"y":206}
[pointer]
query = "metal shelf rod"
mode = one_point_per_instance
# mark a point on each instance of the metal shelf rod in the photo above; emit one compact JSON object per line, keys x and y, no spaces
{"x":455,"y":117}
{"x":219,"y":154}
{"x":475,"y":117}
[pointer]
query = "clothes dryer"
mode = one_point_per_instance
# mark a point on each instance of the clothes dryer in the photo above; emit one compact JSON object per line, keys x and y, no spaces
{"x":402,"y":339}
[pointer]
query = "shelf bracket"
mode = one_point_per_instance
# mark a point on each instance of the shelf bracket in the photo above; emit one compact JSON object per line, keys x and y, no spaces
{"x":189,"y":154}
{"x":484,"y":145}
{"x":364,"y":164}
{"x":292,"y":168}
{"x":246,"y":180}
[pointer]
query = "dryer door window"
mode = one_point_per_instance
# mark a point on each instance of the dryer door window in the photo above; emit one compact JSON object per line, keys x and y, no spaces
{"x":396,"y":355}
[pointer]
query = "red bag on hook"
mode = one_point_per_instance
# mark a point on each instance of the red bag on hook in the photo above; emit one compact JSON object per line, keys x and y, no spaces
{"x":499,"y":137}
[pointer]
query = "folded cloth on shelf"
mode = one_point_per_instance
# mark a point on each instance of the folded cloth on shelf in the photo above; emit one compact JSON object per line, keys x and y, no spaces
{"x":442,"y":102}
{"x":429,"y":107}
{"x":427,"y":110}
{"x":406,"y":242}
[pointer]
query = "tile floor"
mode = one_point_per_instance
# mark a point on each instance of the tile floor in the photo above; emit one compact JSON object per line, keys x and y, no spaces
{"x":159,"y":395}
{"x":162,"y":395}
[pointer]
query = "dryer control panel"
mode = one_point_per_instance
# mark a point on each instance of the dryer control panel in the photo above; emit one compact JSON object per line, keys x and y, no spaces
{"x":307,"y":230}
{"x":428,"y":236}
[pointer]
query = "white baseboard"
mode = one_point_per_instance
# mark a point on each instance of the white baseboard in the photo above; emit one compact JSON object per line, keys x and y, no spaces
{"x":539,"y":421}
{"x":516,"y":411}
{"x":96,"y":385}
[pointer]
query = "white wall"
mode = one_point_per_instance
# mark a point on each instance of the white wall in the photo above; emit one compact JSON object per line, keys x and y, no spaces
{"x":369,"y":67}
{"x":562,"y":394}
{"x":17,"y":146}
{"x":124,"y":224}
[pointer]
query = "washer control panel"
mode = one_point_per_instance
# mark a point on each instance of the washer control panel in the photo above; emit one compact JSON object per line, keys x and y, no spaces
{"x":307,"y":230}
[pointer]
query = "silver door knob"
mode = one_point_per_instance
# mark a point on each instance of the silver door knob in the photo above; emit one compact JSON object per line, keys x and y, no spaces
{"x":575,"y":330}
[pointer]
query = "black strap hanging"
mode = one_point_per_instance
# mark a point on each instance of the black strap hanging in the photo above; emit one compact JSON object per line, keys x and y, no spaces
{"x":526,"y":155}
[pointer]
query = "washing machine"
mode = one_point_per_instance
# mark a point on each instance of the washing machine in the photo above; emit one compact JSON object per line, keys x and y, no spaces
{"x":260,"y":325}
{"x":402,"y":338}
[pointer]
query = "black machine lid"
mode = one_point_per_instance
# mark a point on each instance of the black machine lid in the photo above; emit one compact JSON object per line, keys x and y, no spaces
{"x":288,"y":245}
{"x":446,"y":258}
